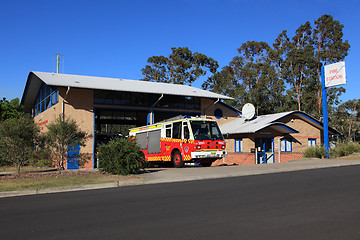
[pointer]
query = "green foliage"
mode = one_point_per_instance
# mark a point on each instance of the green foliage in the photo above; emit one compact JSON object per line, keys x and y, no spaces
{"x":301,"y":65}
{"x":181,"y":67}
{"x":17,"y":137}
{"x":41,"y":158}
{"x":120,"y":156}
{"x":329,"y":45}
{"x":346,"y":119}
{"x":315,"y":152}
{"x":251,"y":78}
{"x":329,"y":48}
{"x":286,"y":76}
{"x":63,"y":134}
{"x":11,"y":109}
{"x":345,"y":149}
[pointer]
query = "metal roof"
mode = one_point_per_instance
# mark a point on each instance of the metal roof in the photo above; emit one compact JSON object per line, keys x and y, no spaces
{"x":34,"y":80}
{"x":241,"y":125}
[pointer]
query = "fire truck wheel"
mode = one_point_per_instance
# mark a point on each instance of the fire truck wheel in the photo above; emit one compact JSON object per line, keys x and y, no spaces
{"x":177,"y":159}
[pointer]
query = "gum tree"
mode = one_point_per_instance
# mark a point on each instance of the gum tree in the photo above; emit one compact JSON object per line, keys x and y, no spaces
{"x":181,"y":67}
{"x":329,"y":48}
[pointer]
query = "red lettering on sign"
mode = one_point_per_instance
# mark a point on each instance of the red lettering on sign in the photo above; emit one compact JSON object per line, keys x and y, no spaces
{"x":43,"y":123}
{"x":333,"y":77}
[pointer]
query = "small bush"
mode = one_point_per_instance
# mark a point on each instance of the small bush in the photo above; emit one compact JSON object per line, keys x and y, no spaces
{"x":345,"y":149}
{"x":41,"y":158}
{"x":120,"y":156}
{"x":315,"y":152}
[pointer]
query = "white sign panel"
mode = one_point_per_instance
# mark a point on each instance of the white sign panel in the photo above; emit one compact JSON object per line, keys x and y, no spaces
{"x":335,"y":74}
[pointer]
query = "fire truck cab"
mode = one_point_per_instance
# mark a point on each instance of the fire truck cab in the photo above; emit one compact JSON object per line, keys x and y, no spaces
{"x":181,"y":139}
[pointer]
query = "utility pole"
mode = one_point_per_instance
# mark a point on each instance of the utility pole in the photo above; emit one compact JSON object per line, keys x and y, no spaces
{"x":57,"y":63}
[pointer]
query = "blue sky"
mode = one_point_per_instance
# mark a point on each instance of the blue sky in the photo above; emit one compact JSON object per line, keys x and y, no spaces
{"x":111,"y":38}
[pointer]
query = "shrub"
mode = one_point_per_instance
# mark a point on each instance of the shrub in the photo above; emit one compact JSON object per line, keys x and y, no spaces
{"x":120,"y":156}
{"x":17,"y":137}
{"x":41,"y":158}
{"x":315,"y":152}
{"x":345,"y":149}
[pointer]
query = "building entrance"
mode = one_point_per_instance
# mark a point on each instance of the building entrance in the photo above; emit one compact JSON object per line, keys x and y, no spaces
{"x":265,"y":150}
{"x":110,"y":123}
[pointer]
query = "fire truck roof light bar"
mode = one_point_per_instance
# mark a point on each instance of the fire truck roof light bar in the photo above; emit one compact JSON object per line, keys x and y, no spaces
{"x":178,"y":118}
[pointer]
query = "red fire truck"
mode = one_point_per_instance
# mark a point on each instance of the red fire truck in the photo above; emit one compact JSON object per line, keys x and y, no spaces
{"x":181,"y":139}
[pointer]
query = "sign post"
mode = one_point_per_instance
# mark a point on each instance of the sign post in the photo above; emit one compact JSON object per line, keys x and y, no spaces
{"x":331,"y":75}
{"x":325,"y":113}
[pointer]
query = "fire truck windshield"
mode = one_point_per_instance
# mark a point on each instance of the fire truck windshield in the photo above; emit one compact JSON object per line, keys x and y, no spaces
{"x":205,"y":130}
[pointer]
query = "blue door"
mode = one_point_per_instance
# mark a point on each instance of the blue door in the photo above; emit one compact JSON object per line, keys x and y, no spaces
{"x":73,"y":157}
{"x":265,"y":150}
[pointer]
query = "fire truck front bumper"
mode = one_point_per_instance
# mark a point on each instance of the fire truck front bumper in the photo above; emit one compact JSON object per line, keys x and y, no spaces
{"x":208,"y":154}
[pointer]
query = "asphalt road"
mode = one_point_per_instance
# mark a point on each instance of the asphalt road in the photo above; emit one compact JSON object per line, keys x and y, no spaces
{"x":309,"y":204}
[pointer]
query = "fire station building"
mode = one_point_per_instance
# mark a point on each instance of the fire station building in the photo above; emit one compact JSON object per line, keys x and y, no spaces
{"x":271,"y":138}
{"x":105,"y":107}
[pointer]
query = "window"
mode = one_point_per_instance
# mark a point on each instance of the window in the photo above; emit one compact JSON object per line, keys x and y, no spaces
{"x":186,"y":130}
{"x":286,"y":145}
{"x":177,"y":130}
{"x":178,"y":102}
{"x":218,"y":113}
{"x":47,"y":97}
{"x":238,"y":145}
{"x":168,"y":131}
{"x":120,"y":98}
{"x":311,"y":142}
{"x":205,"y":130}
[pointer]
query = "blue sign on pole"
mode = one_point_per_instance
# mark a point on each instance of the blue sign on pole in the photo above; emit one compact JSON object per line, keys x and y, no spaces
{"x":325,"y":113}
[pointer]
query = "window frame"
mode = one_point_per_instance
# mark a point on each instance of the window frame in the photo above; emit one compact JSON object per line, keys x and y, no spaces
{"x":238,"y":145}
{"x":311,"y":141}
{"x":48,"y":96}
{"x":286,"y":141}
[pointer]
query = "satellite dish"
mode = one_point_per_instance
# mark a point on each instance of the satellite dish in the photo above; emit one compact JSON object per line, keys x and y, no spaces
{"x":248,"y":111}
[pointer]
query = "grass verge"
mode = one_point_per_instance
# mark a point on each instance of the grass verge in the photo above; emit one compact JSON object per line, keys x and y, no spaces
{"x":59,"y":181}
{"x":23,"y":169}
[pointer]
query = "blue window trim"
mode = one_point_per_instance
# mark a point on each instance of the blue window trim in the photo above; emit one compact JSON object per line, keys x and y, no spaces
{"x":286,"y":127}
{"x":229,"y":107}
{"x":43,"y":101}
{"x":238,"y":142}
{"x":286,"y":141}
{"x":310,"y":118}
{"x":312,"y":140}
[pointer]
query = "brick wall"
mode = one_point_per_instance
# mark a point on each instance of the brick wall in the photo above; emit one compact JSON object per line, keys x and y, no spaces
{"x":306,"y":131}
{"x":249,"y":158}
{"x":78,"y":105}
{"x":208,"y":107}
{"x":286,"y":156}
{"x":236,"y":159}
